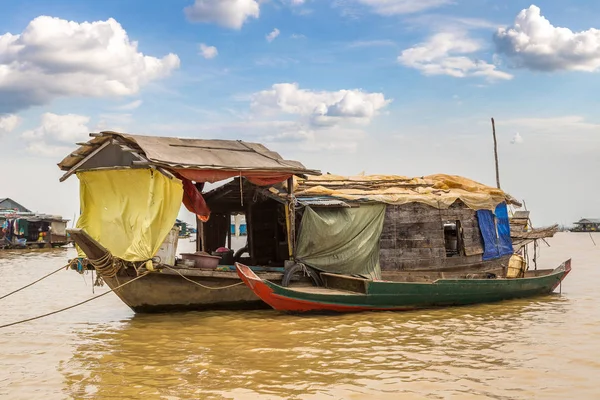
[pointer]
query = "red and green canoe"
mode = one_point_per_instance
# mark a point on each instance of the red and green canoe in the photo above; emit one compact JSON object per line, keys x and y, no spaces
{"x":342,"y":293}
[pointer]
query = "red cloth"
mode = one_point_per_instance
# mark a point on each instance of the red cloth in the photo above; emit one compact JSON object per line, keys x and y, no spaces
{"x":194,"y":201}
{"x":256,"y":177}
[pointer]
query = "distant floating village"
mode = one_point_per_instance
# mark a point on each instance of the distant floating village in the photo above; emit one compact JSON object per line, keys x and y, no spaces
{"x":22,"y":228}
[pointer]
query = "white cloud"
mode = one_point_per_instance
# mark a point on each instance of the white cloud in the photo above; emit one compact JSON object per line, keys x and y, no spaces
{"x":44,"y":149}
{"x":67,"y":128}
{"x":444,"y":23}
{"x":130,"y":106}
{"x":450,"y":53}
{"x":8,"y":123}
{"x":320,"y":120}
{"x":208,"y":52}
{"x":227,"y":13}
{"x":396,"y":7}
{"x":517,"y":139}
{"x":55,"y":131}
{"x":321,"y":108}
{"x":271,"y":36}
{"x":564,"y":124}
{"x":297,"y":36}
{"x":54,"y":58}
{"x":117,"y":122}
{"x":306,"y":140}
{"x":534,"y":43}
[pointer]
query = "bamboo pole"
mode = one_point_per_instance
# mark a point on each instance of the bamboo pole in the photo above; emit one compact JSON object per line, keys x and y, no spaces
{"x":291,"y":220}
{"x":496,"y":154}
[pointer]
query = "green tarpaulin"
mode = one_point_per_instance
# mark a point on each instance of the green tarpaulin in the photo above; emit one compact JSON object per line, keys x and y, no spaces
{"x":342,"y":240}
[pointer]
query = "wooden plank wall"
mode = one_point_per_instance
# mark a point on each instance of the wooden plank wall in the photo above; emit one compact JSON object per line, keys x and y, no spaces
{"x":413,"y":237}
{"x":264,"y":233}
{"x":214,"y":232}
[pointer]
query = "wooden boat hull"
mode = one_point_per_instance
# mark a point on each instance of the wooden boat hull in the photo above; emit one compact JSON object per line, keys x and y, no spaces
{"x":167,"y":291}
{"x":398,"y":296}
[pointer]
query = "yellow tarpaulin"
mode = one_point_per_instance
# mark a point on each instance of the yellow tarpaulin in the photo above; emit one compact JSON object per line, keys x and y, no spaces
{"x":129,"y":211}
{"x":439,"y":191}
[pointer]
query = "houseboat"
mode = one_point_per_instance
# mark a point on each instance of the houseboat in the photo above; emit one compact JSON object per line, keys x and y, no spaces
{"x":587,"y":225}
{"x":21,"y":228}
{"x":300,"y":224}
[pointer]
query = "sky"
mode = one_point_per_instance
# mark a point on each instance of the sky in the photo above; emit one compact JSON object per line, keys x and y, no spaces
{"x":402,"y":87}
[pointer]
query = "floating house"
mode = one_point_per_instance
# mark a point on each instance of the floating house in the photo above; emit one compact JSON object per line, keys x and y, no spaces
{"x":587,"y":225}
{"x":184,"y":231}
{"x":7,"y":204}
{"x":379,"y":224}
{"x":22,"y":228}
{"x":384,"y":227}
{"x":141,"y":181}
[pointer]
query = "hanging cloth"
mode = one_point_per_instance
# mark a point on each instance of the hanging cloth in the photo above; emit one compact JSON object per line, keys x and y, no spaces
{"x":505,"y":246}
{"x":342,"y":240}
{"x":193,"y":200}
{"x":487,"y":227}
{"x":129,"y":211}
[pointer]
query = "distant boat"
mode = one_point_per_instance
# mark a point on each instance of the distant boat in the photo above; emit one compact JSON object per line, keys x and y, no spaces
{"x":20,"y":228}
{"x":343,"y":293}
{"x":587,"y":225}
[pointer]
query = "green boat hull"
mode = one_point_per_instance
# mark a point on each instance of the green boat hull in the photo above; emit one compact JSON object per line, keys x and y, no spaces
{"x":383,"y":295}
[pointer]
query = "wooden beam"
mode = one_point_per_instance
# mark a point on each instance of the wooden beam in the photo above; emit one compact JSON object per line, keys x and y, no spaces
{"x":80,"y":163}
{"x":228,"y":230}
{"x":291,"y":211}
{"x":88,"y":245}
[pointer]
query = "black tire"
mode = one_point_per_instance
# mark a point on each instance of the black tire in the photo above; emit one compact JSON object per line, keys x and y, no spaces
{"x":298,"y":268}
{"x":238,"y":254}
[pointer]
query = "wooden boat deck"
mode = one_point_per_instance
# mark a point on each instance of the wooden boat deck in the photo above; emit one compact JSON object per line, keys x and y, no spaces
{"x":197,"y":272}
{"x":322,"y":290}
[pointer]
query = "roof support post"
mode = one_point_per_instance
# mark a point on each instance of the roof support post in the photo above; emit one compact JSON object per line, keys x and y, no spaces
{"x":290,"y":213}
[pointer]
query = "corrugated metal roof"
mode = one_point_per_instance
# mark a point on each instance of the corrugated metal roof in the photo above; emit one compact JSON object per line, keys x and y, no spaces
{"x":588,"y":221}
{"x":322,"y":202}
{"x":521,"y":214}
{"x":33,"y":217}
{"x":194,"y":153}
{"x":13,"y":205}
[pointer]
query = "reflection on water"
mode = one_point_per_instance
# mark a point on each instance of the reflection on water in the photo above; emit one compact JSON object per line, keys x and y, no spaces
{"x":545,"y":348}
{"x":289,"y":356}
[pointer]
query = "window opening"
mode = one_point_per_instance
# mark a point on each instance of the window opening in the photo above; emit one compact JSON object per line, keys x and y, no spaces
{"x":453,"y":239}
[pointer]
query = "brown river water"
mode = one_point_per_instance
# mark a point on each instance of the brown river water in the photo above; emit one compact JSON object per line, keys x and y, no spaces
{"x":541,"y":348}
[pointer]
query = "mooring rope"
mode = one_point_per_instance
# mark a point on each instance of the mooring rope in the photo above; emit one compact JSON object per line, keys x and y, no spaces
{"x":107,"y":266}
{"x":199,"y":284}
{"x":74,"y":305}
{"x":33,"y":283}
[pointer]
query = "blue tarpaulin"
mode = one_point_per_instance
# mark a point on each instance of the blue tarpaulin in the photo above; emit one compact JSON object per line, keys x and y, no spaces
{"x":495,"y":231}
{"x":504,"y":243}
{"x":487,"y":227}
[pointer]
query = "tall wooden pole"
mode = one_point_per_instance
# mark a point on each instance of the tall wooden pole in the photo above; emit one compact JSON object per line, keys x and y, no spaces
{"x":291,"y":220}
{"x":496,"y":154}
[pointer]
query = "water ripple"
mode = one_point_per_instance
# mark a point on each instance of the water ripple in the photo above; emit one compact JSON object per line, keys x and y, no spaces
{"x":544,"y":348}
